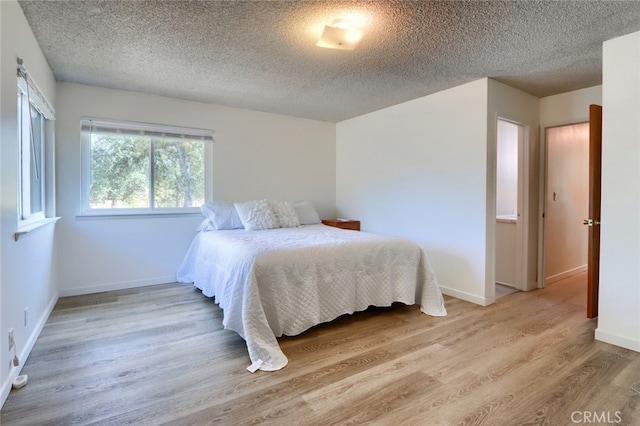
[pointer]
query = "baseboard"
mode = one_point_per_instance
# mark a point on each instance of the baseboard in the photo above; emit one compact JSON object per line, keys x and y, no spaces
{"x":617,"y":340}
{"x":26,"y":350}
{"x":565,"y":274}
{"x":123,"y":285}
{"x":482,"y":301}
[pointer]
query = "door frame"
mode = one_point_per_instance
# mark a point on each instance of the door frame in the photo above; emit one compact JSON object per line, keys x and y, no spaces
{"x":540,"y":275}
{"x":524,"y":169}
{"x":543,"y":196}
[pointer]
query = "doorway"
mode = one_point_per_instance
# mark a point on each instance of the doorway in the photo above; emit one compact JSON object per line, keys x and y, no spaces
{"x":510,"y":196}
{"x":566,"y":202}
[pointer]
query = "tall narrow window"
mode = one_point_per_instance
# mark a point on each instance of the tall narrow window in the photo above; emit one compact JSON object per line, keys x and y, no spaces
{"x":35,"y":134}
{"x":133,"y":168}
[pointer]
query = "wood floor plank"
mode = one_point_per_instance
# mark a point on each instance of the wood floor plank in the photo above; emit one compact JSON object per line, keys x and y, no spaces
{"x":159,"y":355}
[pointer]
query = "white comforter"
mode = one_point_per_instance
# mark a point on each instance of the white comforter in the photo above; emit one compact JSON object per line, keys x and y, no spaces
{"x":283,"y":281}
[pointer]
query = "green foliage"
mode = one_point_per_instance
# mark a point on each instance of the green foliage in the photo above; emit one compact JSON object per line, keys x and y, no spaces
{"x":179,"y":173}
{"x":121,"y":172}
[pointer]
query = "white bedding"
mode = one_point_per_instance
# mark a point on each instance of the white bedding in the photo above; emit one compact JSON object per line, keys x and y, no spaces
{"x":283,"y":281}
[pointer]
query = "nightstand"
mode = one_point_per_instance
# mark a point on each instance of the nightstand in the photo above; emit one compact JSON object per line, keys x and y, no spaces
{"x":353,"y":225}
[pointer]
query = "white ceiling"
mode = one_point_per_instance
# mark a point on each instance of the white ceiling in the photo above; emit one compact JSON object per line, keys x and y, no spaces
{"x":261,"y":55}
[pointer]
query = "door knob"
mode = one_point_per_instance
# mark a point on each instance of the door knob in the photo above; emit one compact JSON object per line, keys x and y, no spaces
{"x":591,"y":222}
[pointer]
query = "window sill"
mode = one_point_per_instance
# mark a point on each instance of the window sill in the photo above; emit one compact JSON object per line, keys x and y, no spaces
{"x":24,"y":230}
{"x":136,"y":215}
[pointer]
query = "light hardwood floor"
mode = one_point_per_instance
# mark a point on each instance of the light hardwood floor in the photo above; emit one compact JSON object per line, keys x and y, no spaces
{"x":504,"y":290}
{"x":159,"y":355}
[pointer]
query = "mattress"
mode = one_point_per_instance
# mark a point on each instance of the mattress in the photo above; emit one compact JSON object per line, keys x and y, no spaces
{"x":283,"y":281}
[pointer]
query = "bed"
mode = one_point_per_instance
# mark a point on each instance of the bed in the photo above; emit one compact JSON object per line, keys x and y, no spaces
{"x":283,"y":281}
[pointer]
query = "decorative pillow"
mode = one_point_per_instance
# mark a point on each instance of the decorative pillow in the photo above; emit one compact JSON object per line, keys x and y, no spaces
{"x":256,"y":215}
{"x":285,"y":214}
{"x":222,"y":215}
{"x":307,"y":215}
{"x":205,"y":226}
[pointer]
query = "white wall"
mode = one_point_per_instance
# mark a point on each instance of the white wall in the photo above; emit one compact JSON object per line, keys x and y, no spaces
{"x":619,"y":302}
{"x":256,"y":155}
{"x":568,"y":108}
{"x":27,"y":278}
{"x":418,"y":170}
{"x":426,"y":170}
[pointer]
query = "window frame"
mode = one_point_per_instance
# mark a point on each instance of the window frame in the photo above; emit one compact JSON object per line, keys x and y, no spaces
{"x":87,"y":123}
{"x":28,"y":96}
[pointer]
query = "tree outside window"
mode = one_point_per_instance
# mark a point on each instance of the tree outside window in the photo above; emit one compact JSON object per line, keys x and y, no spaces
{"x":146,"y":171}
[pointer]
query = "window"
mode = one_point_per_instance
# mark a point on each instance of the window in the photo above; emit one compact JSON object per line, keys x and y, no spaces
{"x":137,"y":168}
{"x":35,"y":136}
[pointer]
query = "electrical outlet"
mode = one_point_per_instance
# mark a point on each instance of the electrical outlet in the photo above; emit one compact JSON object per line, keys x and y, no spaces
{"x":12,"y":342}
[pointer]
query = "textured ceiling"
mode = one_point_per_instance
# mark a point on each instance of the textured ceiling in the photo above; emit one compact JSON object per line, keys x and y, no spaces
{"x":261,"y":55}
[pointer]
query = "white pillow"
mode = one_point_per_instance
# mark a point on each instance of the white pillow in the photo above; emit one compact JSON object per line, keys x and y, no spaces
{"x":307,"y":215}
{"x":205,"y":226}
{"x":222,"y":215}
{"x":256,"y":215}
{"x":285,"y":214}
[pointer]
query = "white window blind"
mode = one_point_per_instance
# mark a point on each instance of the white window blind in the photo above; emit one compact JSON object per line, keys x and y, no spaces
{"x":126,"y":128}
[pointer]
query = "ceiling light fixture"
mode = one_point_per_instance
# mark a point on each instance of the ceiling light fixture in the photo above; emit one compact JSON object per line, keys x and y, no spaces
{"x":339,"y":35}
